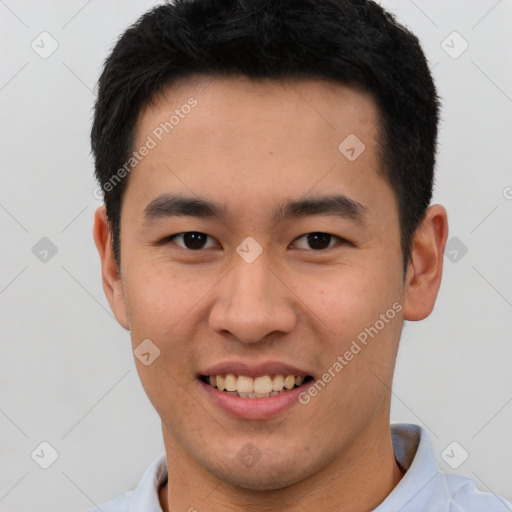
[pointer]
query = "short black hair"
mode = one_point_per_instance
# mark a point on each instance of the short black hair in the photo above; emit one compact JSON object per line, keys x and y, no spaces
{"x":353,"y":42}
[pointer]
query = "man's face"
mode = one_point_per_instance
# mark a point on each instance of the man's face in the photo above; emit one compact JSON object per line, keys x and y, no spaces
{"x":214,"y":305}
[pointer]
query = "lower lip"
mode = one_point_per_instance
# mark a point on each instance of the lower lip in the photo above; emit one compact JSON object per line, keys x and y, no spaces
{"x":253,"y":408}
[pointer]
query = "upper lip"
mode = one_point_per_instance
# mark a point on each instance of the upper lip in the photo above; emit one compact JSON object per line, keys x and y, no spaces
{"x":254,"y":370}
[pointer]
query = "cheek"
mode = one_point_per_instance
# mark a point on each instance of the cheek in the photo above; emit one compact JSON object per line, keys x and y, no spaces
{"x":161,"y":305}
{"x":347,"y":300}
{"x":164,"y":306}
{"x":362,"y":309}
{"x":159,"y":298}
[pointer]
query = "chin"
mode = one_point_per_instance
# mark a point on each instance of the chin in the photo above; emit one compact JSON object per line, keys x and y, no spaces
{"x":271,"y":471}
{"x":262,"y":479}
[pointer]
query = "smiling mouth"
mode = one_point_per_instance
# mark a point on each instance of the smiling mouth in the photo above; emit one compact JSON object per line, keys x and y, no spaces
{"x":260,"y":387}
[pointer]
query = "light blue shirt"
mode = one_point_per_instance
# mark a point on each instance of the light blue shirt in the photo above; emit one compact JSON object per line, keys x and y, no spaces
{"x":423,"y":488}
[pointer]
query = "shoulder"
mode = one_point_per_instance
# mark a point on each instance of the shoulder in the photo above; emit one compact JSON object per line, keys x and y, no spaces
{"x":119,"y":504}
{"x":463,"y":495}
{"x":145,"y":496}
{"x":425,"y":486}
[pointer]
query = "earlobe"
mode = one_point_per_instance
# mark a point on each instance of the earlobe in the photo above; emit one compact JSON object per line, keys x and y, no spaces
{"x":426,"y":265}
{"x":112,"y":284}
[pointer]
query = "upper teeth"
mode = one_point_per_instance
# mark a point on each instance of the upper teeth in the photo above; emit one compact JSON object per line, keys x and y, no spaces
{"x":263,"y":384}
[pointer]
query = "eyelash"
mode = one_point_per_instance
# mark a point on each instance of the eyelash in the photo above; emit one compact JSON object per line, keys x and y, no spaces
{"x":340,"y":240}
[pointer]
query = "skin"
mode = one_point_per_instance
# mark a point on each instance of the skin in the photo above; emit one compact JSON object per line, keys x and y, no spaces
{"x":251,"y":146}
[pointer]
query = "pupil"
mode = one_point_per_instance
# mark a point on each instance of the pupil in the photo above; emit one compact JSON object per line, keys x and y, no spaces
{"x":319,"y":240}
{"x":194,"y":240}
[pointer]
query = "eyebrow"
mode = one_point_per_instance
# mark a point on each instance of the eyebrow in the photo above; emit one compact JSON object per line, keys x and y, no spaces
{"x":177,"y":205}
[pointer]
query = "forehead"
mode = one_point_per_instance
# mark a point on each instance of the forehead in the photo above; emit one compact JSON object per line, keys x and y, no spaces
{"x":228,"y":110}
{"x":320,"y":103}
{"x":240,"y":139}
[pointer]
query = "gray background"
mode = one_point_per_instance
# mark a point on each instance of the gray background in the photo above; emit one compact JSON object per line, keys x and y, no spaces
{"x":67,"y":371}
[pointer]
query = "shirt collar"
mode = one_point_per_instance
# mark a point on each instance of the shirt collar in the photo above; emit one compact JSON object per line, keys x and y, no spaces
{"x":145,"y":496}
{"x":415,"y":454}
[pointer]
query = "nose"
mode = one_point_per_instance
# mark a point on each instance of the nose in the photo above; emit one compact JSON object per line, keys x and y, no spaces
{"x":253,"y":302}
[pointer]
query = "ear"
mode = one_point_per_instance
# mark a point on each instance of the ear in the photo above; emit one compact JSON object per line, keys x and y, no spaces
{"x":111,"y":278}
{"x":425,"y":268}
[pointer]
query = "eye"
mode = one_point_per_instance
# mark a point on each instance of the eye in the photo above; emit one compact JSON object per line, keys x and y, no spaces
{"x":318,"y":241}
{"x":191,"y":240}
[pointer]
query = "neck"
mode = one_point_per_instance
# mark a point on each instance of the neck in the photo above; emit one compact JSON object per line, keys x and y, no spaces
{"x":360,"y":479}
